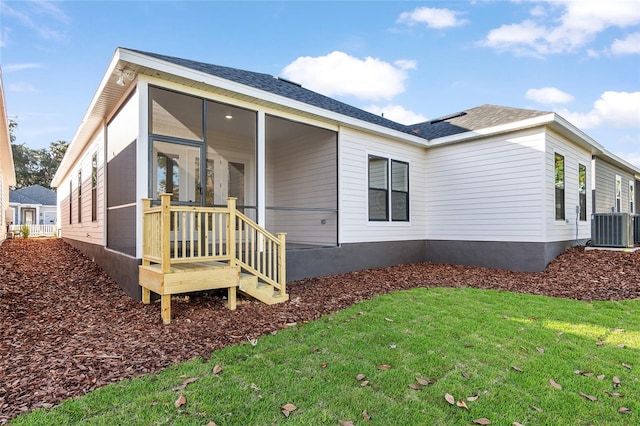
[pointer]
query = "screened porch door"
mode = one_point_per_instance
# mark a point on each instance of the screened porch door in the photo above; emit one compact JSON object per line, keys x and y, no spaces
{"x":177,"y":170}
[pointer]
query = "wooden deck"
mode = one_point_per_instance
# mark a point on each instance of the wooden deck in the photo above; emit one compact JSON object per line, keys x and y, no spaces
{"x":188,"y":249}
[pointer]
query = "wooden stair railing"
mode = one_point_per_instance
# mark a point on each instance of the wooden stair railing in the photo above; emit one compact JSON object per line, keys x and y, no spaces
{"x":188,"y":234}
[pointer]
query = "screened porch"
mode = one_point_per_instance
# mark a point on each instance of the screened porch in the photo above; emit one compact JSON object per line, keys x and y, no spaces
{"x":282,"y":173}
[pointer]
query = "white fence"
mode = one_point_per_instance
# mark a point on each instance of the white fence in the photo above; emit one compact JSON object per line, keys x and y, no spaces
{"x":48,"y":230}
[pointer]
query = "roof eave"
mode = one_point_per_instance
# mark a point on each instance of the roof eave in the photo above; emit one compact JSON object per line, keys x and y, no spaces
{"x":563,"y":126}
{"x":123,"y":57}
{"x":494,"y":130}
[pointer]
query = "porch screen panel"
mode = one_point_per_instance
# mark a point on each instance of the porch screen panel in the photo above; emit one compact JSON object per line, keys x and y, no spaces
{"x":378,"y":188}
{"x":231,"y":134}
{"x":175,"y":114}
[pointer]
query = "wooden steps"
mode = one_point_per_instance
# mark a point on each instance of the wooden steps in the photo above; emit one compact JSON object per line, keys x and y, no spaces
{"x":195,"y":248}
{"x":250,"y":285}
{"x":185,"y":278}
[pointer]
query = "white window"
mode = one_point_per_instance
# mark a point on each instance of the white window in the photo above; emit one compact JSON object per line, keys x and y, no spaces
{"x":618,"y":206}
{"x":559,"y":186}
{"x":631,"y":197}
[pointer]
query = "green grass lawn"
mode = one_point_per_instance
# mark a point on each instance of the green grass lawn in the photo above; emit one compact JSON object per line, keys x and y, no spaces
{"x":495,"y":351}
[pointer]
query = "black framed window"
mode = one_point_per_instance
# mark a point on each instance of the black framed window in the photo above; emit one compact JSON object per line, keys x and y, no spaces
{"x":385,"y":205}
{"x":559,"y":186}
{"x":378,"y":189}
{"x":399,"y":191}
{"x":94,"y":187}
{"x":582,"y":191}
{"x":79,"y":196}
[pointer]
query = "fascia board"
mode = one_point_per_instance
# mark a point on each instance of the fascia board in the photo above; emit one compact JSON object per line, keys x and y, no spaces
{"x":495,"y":130}
{"x":596,"y":149}
{"x":163,"y":66}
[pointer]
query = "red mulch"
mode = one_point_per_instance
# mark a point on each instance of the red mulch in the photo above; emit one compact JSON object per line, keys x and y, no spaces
{"x":66,"y":328}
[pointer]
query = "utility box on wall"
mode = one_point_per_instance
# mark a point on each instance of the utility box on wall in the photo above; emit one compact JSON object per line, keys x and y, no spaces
{"x":612,"y":230}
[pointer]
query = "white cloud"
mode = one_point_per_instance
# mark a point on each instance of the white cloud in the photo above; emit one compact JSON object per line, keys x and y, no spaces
{"x":576,"y":24}
{"x":21,"y":87}
{"x":44,"y":17}
{"x":4,"y":37}
{"x":397,"y":113}
{"x":616,"y":109}
{"x":549,"y":95}
{"x":432,"y":17}
{"x":340,"y":74}
{"x":627,"y":46}
{"x":20,"y":67}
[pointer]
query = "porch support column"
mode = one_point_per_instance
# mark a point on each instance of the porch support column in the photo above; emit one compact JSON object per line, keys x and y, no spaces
{"x":261,"y":170}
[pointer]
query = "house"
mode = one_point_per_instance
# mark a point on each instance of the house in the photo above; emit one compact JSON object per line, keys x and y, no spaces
{"x":33,"y":205}
{"x":7,"y":172}
{"x":490,"y":186}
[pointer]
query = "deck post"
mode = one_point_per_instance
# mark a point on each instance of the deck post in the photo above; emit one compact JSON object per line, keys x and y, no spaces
{"x":231,"y":298}
{"x":165,"y":308}
{"x":231,"y":231}
{"x":165,"y":232}
{"x":146,"y":205}
{"x":282,"y":262}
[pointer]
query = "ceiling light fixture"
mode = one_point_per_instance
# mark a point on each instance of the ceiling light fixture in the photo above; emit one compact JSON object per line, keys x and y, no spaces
{"x":125,"y":75}
{"x":228,"y":116}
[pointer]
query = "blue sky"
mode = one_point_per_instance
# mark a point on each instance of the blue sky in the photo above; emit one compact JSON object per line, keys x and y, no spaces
{"x":411,"y":60}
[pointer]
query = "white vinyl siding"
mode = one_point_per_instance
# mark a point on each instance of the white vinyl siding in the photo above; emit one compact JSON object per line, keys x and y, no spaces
{"x":605,"y":181}
{"x":565,"y":230}
{"x":487,"y":190}
{"x":355,"y":148}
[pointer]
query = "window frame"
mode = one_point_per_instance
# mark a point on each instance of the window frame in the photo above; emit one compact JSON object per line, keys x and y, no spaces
{"x":632,"y":194}
{"x":70,"y":201}
{"x":94,"y":187}
{"x":79,"y":195}
{"x":390,"y":190}
{"x":582,"y":191}
{"x":559,"y":208}
{"x":618,"y":194}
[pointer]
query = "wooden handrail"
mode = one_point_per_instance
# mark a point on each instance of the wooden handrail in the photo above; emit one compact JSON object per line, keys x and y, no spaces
{"x":179,"y":234}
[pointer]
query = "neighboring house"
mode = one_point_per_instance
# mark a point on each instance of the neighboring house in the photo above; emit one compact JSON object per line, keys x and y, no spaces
{"x":7,"y":172}
{"x":490,"y":186}
{"x":33,"y":205}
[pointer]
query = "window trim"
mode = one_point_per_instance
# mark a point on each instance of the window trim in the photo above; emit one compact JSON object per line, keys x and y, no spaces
{"x":79,"y":195}
{"x":582,"y":192}
{"x":70,"y":201}
{"x":389,"y":219}
{"x":94,"y":187}
{"x":563,"y":210}
{"x":632,"y":194}
{"x":618,"y":194}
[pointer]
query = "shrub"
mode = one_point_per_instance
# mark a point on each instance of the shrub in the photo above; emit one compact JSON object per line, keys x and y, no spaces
{"x":24,"y":230}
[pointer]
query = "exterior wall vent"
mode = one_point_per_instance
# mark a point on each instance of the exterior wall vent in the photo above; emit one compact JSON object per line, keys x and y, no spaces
{"x":613,"y":230}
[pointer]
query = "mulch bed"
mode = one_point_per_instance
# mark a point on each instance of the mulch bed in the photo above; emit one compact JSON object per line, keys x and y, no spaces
{"x":66,"y":328}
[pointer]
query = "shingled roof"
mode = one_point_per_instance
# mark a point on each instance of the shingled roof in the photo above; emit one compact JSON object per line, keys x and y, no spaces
{"x":34,"y":194}
{"x":281,"y":87}
{"x":477,"y":118}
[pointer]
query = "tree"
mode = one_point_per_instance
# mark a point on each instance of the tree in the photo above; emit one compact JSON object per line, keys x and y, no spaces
{"x":35,"y":166}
